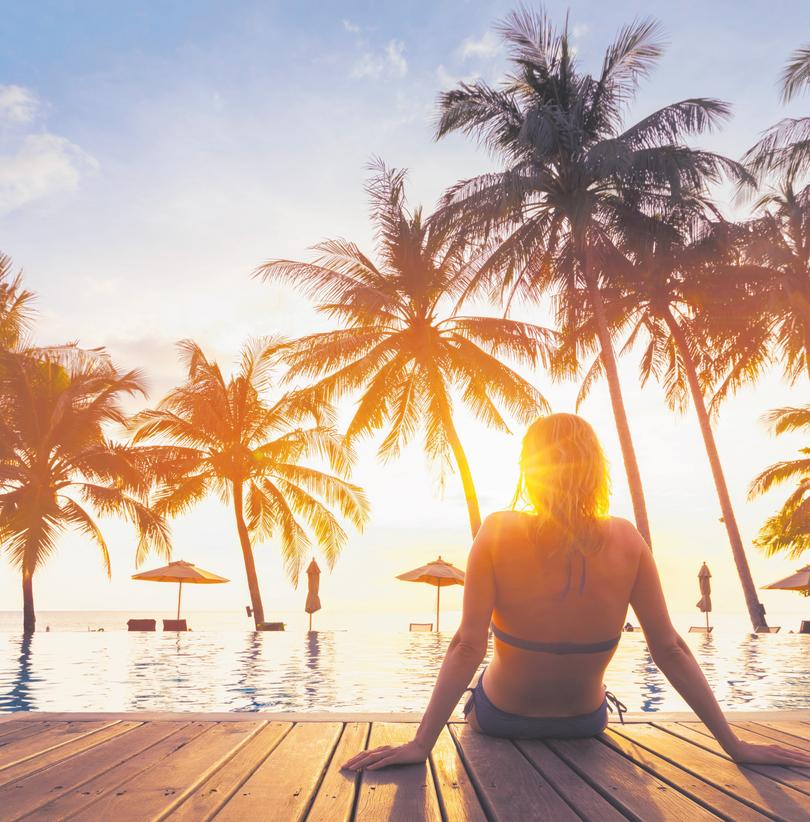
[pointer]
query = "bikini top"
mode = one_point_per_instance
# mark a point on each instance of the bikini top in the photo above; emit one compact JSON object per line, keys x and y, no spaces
{"x":560,"y":647}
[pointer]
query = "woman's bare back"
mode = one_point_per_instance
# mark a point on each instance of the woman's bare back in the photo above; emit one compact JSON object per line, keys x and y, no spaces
{"x":548,"y":596}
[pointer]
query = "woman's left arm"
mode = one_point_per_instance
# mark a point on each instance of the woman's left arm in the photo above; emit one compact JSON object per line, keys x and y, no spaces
{"x":464,"y":654}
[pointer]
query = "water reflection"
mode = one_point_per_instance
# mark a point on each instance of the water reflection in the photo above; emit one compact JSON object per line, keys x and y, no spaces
{"x":651,"y":681}
{"x":20,"y":696}
{"x":357,"y":670}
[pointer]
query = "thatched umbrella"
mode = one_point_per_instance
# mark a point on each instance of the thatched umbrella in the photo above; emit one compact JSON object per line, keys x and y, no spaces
{"x":438,"y":573}
{"x":181,"y":572}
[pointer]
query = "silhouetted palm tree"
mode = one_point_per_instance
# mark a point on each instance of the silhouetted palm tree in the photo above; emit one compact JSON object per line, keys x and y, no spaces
{"x":784,"y":149}
{"x":762,"y":300}
{"x":787,"y":531}
{"x":224,"y":436}
{"x":58,"y":469}
{"x":663,"y":277}
{"x":15,"y":307}
{"x":405,"y":345}
{"x":574,"y":171}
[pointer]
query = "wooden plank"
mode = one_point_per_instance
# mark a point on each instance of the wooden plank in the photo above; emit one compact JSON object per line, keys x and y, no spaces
{"x":19,"y":729}
{"x":403,"y":794}
{"x":151,"y":792}
{"x":637,"y":793}
{"x":455,"y":790}
{"x":509,"y":787}
{"x":334,"y":799}
{"x":38,"y":762}
{"x":214,"y":792}
{"x":750,"y":787}
{"x":723,"y":804}
{"x":283,"y":786}
{"x":13,"y":751}
{"x":78,"y":799}
{"x":26,"y":794}
{"x":798,"y":778}
{"x":584,"y":799}
{"x":791,"y":733}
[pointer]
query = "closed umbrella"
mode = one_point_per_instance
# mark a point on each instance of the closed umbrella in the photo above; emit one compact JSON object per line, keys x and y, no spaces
{"x":181,"y":572}
{"x":705,"y":601}
{"x":438,"y":573}
{"x":313,"y":602}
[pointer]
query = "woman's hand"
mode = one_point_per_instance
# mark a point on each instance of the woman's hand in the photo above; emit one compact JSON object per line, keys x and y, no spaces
{"x":751,"y":753}
{"x":382,"y":757}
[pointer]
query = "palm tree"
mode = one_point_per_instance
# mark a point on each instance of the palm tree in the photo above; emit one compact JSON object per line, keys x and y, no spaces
{"x":573,"y":172}
{"x":222,"y":435}
{"x":404,"y":343}
{"x":15,"y":307}
{"x":58,"y":469}
{"x":784,"y":149}
{"x":664,"y":279}
{"x":788,"y":530}
{"x":770,"y":283}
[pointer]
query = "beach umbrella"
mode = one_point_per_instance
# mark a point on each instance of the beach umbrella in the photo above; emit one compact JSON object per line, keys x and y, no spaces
{"x":800,"y":581}
{"x":313,"y":602}
{"x":705,"y":601}
{"x":180,"y":572}
{"x":438,"y":573}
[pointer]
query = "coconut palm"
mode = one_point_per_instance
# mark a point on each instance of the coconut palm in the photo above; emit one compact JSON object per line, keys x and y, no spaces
{"x":59,"y":469}
{"x":784,"y":149}
{"x":788,"y":530}
{"x":663,"y":278}
{"x":573,"y":172}
{"x":15,"y":307}
{"x":213,"y":434}
{"x":405,"y":344}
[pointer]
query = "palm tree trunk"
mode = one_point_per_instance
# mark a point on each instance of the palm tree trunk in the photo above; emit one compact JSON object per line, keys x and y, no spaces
{"x":470,"y":495}
{"x":619,"y":412}
{"x":247,"y":555}
{"x":29,"y":615}
{"x":756,"y":610}
{"x":473,"y":511}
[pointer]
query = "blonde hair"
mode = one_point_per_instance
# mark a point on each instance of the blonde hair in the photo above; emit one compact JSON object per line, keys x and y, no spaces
{"x":564,"y":480}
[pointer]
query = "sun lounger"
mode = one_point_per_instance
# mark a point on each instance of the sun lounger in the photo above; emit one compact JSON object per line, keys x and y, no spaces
{"x":773,"y":629}
{"x":271,"y":626}
{"x":420,"y":626}
{"x":174,"y":625}
{"x":141,"y":624}
{"x":804,"y":628}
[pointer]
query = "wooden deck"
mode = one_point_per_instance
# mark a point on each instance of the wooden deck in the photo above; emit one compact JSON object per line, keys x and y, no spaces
{"x":275,"y":767}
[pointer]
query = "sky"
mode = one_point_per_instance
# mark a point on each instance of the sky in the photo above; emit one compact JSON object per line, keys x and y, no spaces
{"x":152,"y":154}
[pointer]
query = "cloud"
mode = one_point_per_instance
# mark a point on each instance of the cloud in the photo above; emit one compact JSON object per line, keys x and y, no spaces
{"x":350,"y":27}
{"x":18,"y":105}
{"x":447,"y":79}
{"x":43,"y":164}
{"x":391,"y":62}
{"x":488,"y":45}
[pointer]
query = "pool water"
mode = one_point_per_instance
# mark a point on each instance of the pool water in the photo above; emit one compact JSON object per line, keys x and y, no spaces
{"x":345,"y":670}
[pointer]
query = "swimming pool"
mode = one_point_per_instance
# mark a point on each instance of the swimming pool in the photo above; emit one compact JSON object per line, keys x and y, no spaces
{"x":350,"y":670}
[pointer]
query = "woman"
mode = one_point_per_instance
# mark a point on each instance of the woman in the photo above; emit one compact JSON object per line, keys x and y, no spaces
{"x":554,"y":582}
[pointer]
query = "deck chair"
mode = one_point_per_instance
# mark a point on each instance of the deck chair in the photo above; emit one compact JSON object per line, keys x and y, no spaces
{"x":420,"y":626}
{"x":271,"y":626}
{"x":174,"y":625}
{"x":141,"y":624}
{"x":773,"y":629}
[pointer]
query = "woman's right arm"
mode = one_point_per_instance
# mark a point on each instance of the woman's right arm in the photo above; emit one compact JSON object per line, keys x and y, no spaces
{"x":674,"y":659}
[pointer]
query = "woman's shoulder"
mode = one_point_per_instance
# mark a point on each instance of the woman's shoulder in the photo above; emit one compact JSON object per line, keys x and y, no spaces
{"x":507,"y":519}
{"x":620,"y":534}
